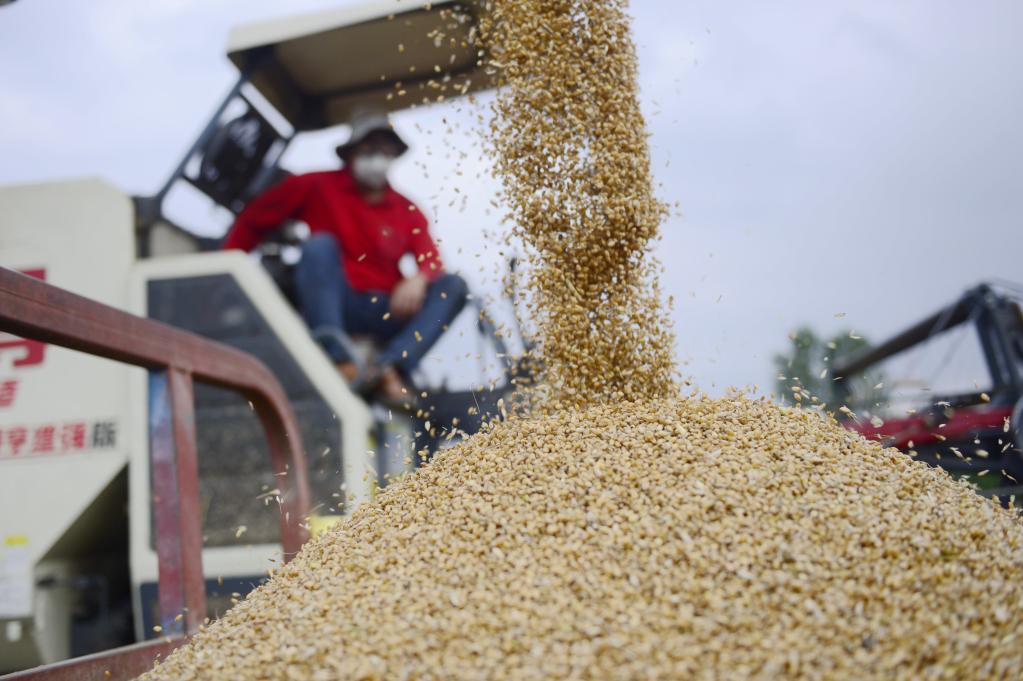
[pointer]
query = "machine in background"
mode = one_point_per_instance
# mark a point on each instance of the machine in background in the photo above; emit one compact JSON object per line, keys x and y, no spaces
{"x":951,"y":389}
{"x":78,"y":566}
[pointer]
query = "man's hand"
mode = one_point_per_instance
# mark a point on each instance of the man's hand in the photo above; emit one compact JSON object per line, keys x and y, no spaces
{"x":408,"y":296}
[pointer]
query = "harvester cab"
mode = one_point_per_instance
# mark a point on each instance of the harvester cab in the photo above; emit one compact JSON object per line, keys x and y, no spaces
{"x":310,"y":74}
{"x":307,"y":74}
{"x":78,"y":560}
{"x":949,"y":389}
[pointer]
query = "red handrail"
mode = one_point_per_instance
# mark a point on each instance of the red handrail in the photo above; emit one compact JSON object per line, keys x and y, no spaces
{"x":33,"y":309}
{"x":119,"y":663}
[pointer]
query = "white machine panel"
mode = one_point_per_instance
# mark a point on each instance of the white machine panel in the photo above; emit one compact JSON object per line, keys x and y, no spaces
{"x":62,"y":413}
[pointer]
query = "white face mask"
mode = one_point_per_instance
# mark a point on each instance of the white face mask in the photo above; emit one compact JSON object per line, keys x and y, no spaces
{"x":371,"y":170}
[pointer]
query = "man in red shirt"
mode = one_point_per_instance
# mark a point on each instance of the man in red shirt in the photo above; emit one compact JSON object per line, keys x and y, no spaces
{"x":348,"y":281}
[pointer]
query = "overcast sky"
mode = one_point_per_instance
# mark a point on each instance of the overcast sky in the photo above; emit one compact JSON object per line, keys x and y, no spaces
{"x":833,"y":157}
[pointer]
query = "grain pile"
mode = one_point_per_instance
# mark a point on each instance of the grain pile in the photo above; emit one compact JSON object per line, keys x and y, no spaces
{"x":695,"y":539}
{"x":623,"y":532}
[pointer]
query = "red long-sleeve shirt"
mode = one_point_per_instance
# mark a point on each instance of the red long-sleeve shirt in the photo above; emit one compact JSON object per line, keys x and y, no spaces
{"x":372,"y":237}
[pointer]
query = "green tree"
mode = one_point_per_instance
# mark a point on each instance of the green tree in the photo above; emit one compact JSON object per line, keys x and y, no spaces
{"x":805,"y":373}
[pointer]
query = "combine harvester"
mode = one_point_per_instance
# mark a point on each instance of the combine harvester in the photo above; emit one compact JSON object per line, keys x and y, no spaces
{"x":953,"y":389}
{"x":117,"y":476}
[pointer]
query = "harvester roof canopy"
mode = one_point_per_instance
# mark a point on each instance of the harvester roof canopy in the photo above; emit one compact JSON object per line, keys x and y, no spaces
{"x":315,"y":69}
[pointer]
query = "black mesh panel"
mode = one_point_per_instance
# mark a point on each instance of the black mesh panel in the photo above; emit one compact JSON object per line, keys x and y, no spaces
{"x":235,"y":479}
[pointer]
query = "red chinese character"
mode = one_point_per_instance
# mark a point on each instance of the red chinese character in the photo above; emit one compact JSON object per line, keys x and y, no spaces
{"x":34,"y":350}
{"x":72,"y":436}
{"x":8,"y":389}
{"x":42,"y":439}
{"x":16,"y":438}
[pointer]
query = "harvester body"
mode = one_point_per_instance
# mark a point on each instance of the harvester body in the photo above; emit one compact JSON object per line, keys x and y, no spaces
{"x":78,"y":559}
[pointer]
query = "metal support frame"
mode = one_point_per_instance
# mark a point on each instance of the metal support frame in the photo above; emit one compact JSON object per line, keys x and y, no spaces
{"x":175,"y":476}
{"x":174,"y":358}
{"x":149,"y":209}
{"x":997,"y":327}
{"x":119,"y":663}
{"x":202,"y":140}
{"x":980,"y":306}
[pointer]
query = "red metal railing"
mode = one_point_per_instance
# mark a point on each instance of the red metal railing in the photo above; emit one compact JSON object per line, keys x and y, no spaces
{"x":119,"y":663}
{"x":174,"y":358}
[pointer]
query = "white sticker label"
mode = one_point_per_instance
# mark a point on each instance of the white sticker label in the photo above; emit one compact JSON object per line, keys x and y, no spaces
{"x":15,"y":578}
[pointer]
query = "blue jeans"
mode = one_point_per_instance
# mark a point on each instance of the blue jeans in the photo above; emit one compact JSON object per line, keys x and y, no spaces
{"x":335,"y":311}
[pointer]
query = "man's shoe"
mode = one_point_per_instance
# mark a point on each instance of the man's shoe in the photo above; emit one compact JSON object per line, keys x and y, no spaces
{"x":385,"y":386}
{"x":367,"y":381}
{"x":349,"y":371}
{"x":392,"y":391}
